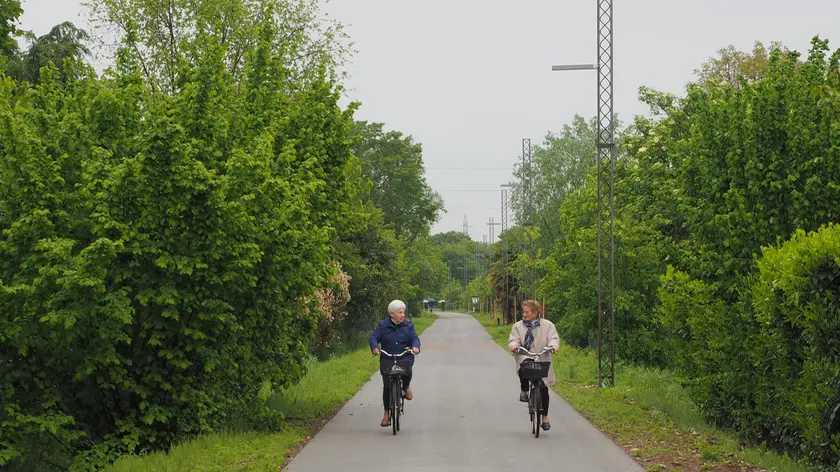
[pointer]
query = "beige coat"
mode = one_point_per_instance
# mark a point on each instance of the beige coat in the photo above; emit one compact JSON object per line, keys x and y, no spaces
{"x":545,"y":335}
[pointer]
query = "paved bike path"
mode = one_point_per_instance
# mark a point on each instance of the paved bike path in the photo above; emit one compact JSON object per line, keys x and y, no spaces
{"x":465,"y":416}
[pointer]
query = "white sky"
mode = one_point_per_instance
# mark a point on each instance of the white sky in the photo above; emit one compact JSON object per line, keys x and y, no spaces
{"x":470,"y":78}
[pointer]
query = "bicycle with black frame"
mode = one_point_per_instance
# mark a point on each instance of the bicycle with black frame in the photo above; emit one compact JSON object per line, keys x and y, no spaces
{"x":534,"y":371}
{"x":394,"y":372}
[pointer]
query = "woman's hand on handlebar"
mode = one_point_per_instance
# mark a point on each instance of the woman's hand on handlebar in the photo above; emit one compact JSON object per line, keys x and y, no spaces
{"x":518,"y":349}
{"x":406,"y":351}
{"x":376,"y":351}
{"x":415,"y":350}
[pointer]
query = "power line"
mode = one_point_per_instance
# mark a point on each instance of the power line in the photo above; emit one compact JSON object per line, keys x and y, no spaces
{"x":471,"y":208}
{"x":507,"y":169}
{"x":465,"y":190}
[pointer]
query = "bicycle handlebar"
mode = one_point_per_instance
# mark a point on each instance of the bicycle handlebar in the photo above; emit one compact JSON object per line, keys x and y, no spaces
{"x":407,"y":351}
{"x":547,"y":348}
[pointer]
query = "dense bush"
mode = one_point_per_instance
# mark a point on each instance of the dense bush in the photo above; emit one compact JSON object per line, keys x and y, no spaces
{"x":770,"y":365}
{"x":331,"y":309}
{"x":797,"y":355}
{"x":371,"y":256}
{"x":711,"y":341}
{"x":758,"y":162}
{"x":154,"y":247}
{"x":742,"y":168}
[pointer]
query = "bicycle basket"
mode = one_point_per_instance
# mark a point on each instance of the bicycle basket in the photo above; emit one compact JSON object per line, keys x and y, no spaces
{"x":388,"y":367}
{"x":533,"y":370}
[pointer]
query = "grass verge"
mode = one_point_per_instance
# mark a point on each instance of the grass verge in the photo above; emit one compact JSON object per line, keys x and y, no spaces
{"x":650,"y":415}
{"x":327,"y":386}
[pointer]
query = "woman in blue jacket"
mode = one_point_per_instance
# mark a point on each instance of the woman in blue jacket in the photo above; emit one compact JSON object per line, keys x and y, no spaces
{"x":395,"y":334}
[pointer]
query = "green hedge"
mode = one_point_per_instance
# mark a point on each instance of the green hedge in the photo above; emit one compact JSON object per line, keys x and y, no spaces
{"x":797,"y":354}
{"x":155,"y":249}
{"x":768,"y":366}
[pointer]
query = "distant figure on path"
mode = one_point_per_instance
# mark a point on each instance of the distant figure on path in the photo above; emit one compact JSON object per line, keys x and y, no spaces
{"x":534,"y":333}
{"x":395,"y":334}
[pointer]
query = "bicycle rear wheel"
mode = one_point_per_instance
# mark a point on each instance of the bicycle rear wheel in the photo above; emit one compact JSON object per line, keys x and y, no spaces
{"x":537,"y":409}
{"x":395,"y":406}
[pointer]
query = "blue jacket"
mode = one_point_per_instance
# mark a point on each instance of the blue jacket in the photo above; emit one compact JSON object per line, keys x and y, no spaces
{"x":394,"y":338}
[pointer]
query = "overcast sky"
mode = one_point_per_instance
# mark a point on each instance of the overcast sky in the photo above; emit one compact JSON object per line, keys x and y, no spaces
{"x":470,"y":78}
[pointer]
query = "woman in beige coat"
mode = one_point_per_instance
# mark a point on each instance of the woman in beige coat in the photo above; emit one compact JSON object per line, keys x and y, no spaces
{"x":534,"y":333}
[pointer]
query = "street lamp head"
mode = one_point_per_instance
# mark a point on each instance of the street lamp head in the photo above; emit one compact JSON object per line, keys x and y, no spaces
{"x":574,"y":67}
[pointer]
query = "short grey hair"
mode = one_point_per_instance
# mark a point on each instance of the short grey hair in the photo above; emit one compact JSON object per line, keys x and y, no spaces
{"x":395,"y":305}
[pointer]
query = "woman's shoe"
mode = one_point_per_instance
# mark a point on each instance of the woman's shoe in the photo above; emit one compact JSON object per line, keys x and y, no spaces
{"x":385,"y":422}
{"x":408,"y":395}
{"x":523,"y":397}
{"x":546,"y":426}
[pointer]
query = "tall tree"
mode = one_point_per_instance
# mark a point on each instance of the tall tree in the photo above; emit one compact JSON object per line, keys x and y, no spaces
{"x":559,"y":165}
{"x":164,"y":35}
{"x":394,"y":164}
{"x":731,"y":65}
{"x":10,"y":11}
{"x":64,"y":41}
{"x":458,"y":249}
{"x":426,"y":271}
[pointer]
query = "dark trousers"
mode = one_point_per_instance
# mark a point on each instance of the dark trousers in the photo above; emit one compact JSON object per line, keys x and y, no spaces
{"x":524,"y":386}
{"x":386,"y":386}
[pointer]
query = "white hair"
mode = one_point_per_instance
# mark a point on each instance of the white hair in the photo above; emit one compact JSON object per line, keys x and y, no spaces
{"x":395,"y":305}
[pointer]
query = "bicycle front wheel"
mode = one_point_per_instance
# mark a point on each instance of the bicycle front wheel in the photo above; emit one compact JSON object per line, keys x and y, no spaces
{"x":395,"y":406}
{"x":531,"y":411}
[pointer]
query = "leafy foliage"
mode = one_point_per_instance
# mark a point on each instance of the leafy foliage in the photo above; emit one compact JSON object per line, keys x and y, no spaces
{"x":506,"y":286}
{"x":458,"y":251}
{"x":558,"y":166}
{"x":372,"y":256}
{"x":769,"y":168}
{"x":394,"y":165}
{"x":331,"y":308}
{"x":732,"y":66}
{"x":64,"y":41}
{"x":167,"y":34}
{"x":156,"y":248}
{"x":745,"y":160}
{"x":425,"y":271}
{"x":725,"y":172}
{"x":797,"y":355}
{"x":10,"y":11}
{"x":452,"y":292}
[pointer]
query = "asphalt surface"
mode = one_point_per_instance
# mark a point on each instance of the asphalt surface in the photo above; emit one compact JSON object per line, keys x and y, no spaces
{"x":465,"y":416}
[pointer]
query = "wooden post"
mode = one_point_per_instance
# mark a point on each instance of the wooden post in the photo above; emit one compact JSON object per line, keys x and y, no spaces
{"x":514,"y":308}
